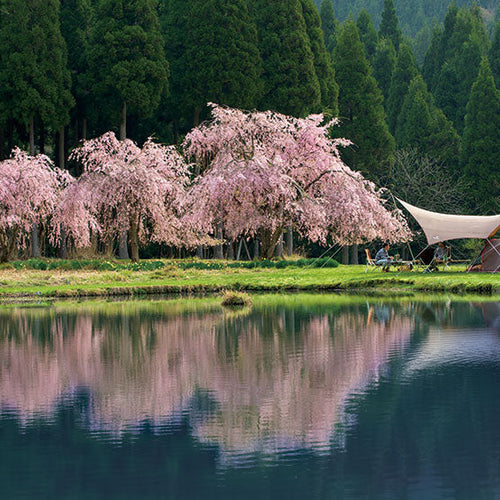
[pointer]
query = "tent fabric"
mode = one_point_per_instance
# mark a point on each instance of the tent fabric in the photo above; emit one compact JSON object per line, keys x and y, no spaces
{"x":442,"y":227}
{"x":490,"y":257}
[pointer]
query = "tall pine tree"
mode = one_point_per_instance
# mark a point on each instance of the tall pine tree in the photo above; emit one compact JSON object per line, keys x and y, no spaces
{"x":389,"y":25}
{"x":329,"y":24}
{"x":322,"y":60}
{"x":384,"y":62}
{"x":290,"y":82}
{"x":361,"y":109}
{"x":424,"y":126}
{"x":127,"y":59}
{"x":34,"y":78}
{"x":481,"y":143}
{"x":367,"y":33}
{"x":404,"y":72}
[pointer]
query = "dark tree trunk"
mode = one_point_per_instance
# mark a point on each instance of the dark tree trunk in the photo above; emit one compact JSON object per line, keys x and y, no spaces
{"x":354,"y":254}
{"x":123,"y":124}
{"x":134,"y":239}
{"x":268,"y":240}
{"x":345,"y":255}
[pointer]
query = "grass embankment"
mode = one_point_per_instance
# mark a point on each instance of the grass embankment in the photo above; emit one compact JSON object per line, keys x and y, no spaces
{"x":56,"y":278}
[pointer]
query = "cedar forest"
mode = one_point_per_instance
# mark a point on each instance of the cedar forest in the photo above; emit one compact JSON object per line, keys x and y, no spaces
{"x":280,"y":118}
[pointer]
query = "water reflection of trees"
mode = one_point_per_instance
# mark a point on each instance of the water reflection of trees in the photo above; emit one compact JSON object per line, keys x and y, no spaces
{"x":271,"y":379}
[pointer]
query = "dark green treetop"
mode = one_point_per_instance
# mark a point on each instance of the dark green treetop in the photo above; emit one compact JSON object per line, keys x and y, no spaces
{"x":404,"y":72}
{"x":422,"y":125}
{"x":494,"y":54}
{"x":329,"y":24}
{"x":389,"y":26}
{"x":384,"y":61}
{"x":367,"y":33}
{"x":481,"y":143}
{"x":322,"y":60}
{"x":290,"y":82}
{"x":34,"y":78}
{"x":361,"y":110}
{"x":127,"y":58}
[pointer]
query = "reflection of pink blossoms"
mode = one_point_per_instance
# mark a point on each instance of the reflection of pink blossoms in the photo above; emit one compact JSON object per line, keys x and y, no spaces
{"x":126,"y":188}
{"x":265,"y":171}
{"x":30,"y":187}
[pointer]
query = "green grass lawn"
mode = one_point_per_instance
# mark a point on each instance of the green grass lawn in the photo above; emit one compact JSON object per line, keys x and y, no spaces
{"x":174,"y":277}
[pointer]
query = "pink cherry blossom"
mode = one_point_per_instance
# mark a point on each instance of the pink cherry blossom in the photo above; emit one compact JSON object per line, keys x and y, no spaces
{"x":264,"y":171}
{"x":30,"y":187}
{"x":127,"y":188}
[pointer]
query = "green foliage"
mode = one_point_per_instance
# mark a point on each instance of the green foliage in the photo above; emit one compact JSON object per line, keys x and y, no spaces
{"x":481,"y":143}
{"x":404,"y":72}
{"x":422,"y":125}
{"x":322,"y":61}
{"x":34,"y":78}
{"x":389,"y":27}
{"x":384,"y":61}
{"x":212,"y":46}
{"x":290,"y":82}
{"x":127,"y":58}
{"x":329,"y":24}
{"x":152,"y":265}
{"x":361,"y":107}
{"x":367,"y":33}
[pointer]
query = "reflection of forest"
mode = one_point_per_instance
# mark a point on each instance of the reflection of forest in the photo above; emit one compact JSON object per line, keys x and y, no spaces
{"x":271,"y":379}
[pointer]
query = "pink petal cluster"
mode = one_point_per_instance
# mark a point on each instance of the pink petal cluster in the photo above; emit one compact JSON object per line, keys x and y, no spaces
{"x":265,"y":170}
{"x":124,"y":185}
{"x":30,"y":188}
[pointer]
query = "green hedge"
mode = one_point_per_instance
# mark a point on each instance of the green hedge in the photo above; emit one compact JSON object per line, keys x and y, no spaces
{"x":151,"y":265}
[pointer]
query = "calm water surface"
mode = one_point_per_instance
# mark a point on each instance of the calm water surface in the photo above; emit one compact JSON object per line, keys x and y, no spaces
{"x":320,"y":397}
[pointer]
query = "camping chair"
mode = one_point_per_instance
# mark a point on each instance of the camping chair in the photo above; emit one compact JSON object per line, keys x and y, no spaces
{"x":370,"y":263}
{"x":434,"y":263}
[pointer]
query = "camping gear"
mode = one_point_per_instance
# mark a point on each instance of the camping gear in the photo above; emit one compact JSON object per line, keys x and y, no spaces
{"x":490,"y":256}
{"x":443,"y":227}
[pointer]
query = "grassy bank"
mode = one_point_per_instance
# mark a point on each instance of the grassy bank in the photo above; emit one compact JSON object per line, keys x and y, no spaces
{"x":55,"y":278}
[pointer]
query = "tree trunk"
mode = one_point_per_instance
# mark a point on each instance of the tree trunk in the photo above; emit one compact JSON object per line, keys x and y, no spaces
{"x":289,"y":241}
{"x":84,"y":129}
{"x":35,"y":251}
{"x":2,"y":143}
{"x":219,"y":252}
{"x":354,"y":254}
{"x":32,"y":136}
{"x":279,"y":247}
{"x":123,"y":124}
{"x":123,"y":245}
{"x":268,"y":240}
{"x":134,"y":239}
{"x":63,"y":249}
{"x":62,"y":156}
{"x":256,"y":249}
{"x":345,"y":255}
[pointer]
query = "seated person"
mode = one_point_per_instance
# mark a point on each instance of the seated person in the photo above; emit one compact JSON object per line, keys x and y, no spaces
{"x":440,"y":255}
{"x":382,"y":258}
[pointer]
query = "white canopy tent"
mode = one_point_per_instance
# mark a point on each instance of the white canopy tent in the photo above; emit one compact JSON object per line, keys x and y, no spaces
{"x":443,"y":227}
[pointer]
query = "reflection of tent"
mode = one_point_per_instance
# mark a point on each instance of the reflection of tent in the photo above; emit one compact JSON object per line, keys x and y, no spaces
{"x":442,"y":227}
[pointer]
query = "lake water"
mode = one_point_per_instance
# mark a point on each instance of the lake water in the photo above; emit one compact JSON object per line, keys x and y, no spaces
{"x":301,"y":396}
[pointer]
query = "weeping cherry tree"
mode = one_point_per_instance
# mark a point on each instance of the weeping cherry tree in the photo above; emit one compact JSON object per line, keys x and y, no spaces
{"x":30,"y":189}
{"x":266,"y":171}
{"x":126,"y":188}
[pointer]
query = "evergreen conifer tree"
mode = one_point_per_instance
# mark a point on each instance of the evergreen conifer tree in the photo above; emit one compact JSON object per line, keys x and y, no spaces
{"x":424,"y":126}
{"x":494,"y":54}
{"x":367,"y":33}
{"x":127,"y":59}
{"x":389,"y":25}
{"x":404,"y":72}
{"x":384,"y":61}
{"x":481,"y":143}
{"x":463,"y":43}
{"x":329,"y":24}
{"x":34,"y":78}
{"x":361,"y":109}
{"x":76,"y":18}
{"x":290,"y":82}
{"x":322,"y":60}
